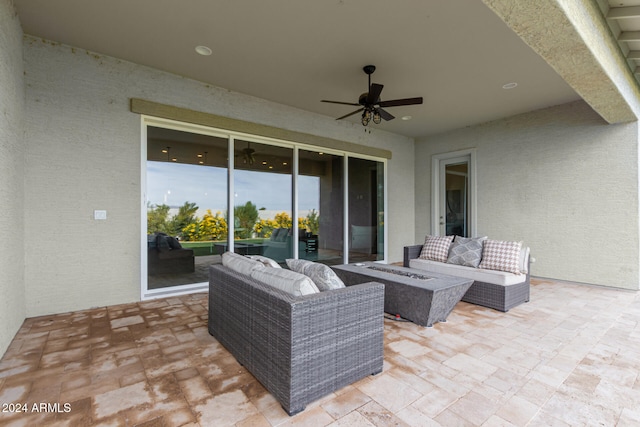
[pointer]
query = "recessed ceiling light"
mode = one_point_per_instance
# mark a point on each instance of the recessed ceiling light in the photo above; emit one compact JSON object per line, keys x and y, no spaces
{"x":203,"y":50}
{"x":405,"y":118}
{"x":509,"y":85}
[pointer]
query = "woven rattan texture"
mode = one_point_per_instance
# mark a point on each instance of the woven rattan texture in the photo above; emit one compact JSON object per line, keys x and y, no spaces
{"x":501,"y":298}
{"x":299,"y":348}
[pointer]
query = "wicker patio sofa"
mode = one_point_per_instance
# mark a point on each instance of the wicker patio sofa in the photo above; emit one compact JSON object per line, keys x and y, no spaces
{"x":492,"y":289}
{"x":300,"y":348}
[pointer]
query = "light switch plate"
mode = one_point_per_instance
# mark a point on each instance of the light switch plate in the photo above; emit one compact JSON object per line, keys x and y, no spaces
{"x":99,"y":214}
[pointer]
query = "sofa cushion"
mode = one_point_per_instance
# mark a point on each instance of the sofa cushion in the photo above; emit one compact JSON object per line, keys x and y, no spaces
{"x":489,"y":276}
{"x":436,"y":248}
{"x":294,"y":283}
{"x":240,"y":263}
{"x":466,"y":251}
{"x":173,"y":242}
{"x":501,"y":255}
{"x":162,"y":244}
{"x":267,"y":262}
{"x":524,"y":260}
{"x":323,"y":276}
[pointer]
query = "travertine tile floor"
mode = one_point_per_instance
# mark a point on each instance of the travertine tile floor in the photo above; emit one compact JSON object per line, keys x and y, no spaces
{"x":570,"y":357}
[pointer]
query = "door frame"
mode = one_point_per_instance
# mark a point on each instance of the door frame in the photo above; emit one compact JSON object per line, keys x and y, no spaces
{"x":438,"y":163}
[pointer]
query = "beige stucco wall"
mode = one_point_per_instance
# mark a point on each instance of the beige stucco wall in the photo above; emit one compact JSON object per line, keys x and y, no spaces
{"x":559,"y":179}
{"x":83,"y":153}
{"x":12,"y":296}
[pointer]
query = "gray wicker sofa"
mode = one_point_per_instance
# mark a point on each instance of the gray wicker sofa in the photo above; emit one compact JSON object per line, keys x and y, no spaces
{"x":488,"y":288}
{"x":300,"y":348}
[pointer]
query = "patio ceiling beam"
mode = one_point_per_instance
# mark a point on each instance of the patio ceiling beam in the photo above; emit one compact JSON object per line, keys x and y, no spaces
{"x":624,"y":12}
{"x":590,"y":61}
{"x":155,"y":109}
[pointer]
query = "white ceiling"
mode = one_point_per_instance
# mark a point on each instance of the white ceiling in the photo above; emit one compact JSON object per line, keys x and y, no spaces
{"x":456,"y":54}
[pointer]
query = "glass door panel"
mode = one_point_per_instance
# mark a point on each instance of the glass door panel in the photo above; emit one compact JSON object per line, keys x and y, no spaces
{"x":186,"y":205}
{"x":263,"y":200}
{"x":455,"y":194}
{"x":366,"y":210}
{"x":320,"y":207}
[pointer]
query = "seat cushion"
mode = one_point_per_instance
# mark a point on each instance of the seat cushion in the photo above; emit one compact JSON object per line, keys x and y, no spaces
{"x":489,"y":276}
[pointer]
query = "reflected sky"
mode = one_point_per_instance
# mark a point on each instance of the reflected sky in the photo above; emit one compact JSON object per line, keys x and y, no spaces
{"x":174,"y":184}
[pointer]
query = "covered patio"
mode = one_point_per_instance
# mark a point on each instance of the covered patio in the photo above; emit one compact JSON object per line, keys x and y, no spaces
{"x":568,"y":357}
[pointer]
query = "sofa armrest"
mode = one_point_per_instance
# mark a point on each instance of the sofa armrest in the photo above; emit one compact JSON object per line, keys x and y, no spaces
{"x":411,"y":252}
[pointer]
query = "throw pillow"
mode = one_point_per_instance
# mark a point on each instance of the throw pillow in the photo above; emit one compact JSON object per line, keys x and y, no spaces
{"x":162,"y":243}
{"x":466,"y":251}
{"x":174,"y":243}
{"x":268,"y":262}
{"x":288,"y":281}
{"x":322,"y":275}
{"x":436,"y":248}
{"x":501,"y":255}
{"x":239,"y":263}
{"x":297,"y":265}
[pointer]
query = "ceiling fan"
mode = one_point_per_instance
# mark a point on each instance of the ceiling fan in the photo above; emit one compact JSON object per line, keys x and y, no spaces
{"x":247,"y":154}
{"x":370,"y":104}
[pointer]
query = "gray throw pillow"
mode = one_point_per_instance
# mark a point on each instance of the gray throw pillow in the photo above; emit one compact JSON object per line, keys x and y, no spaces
{"x":466,"y":251}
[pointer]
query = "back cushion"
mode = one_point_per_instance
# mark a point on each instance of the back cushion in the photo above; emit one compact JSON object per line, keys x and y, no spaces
{"x":240,"y":263}
{"x":268,"y":262}
{"x":296,"y":284}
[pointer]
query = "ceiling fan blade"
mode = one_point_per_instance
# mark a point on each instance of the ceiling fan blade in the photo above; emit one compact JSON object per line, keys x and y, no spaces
{"x":400,"y":102}
{"x":350,"y":114}
{"x":341,"y":103}
{"x":385,"y":115}
{"x":374,"y":93}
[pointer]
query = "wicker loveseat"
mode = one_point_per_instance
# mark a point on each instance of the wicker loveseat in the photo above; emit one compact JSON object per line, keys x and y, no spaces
{"x":494,"y":289}
{"x":300,"y":348}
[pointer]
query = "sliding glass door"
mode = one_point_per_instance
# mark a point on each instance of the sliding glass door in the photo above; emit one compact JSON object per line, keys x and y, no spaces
{"x":321,"y":207}
{"x":263,"y":200}
{"x":208,"y":191}
{"x":366,"y":210}
{"x":186,"y":205}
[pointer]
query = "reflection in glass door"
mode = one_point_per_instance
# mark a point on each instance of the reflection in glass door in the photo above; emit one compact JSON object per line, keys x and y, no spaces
{"x":366,"y":210}
{"x":321,"y":207}
{"x":454,"y":197}
{"x":263,"y":200}
{"x":186,"y":205}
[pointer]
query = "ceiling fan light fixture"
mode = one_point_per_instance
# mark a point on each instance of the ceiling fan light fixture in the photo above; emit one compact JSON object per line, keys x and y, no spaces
{"x":366,"y":117}
{"x":376,"y":117}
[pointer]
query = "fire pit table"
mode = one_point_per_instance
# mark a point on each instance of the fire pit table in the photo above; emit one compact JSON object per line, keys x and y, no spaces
{"x":423,"y":298}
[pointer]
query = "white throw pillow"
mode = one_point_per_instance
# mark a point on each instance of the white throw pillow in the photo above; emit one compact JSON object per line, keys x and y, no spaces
{"x":297,"y":265}
{"x":239,"y":263}
{"x":323,"y":276}
{"x":289,"y":281}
